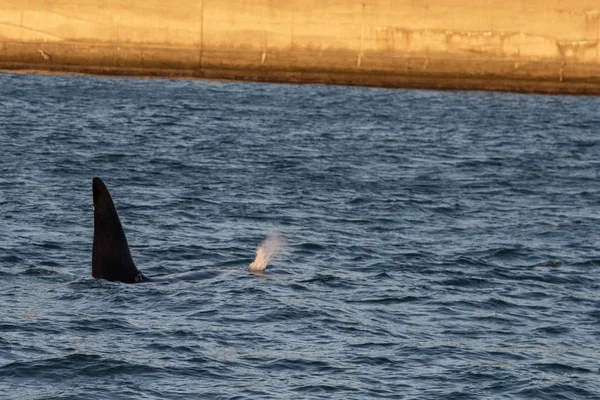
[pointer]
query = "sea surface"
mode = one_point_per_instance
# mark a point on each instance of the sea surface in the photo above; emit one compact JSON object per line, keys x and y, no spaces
{"x":438,"y":245}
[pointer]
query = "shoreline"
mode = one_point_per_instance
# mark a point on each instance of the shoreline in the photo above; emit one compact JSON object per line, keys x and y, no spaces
{"x":377,"y":80}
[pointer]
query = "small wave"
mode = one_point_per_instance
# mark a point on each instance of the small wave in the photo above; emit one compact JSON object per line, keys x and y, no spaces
{"x":83,"y":364}
{"x":301,"y":364}
{"x":204,"y":313}
{"x":506,"y":252}
{"x":587,"y":263}
{"x":383,"y":276}
{"x":468,"y":260}
{"x":325,"y":389}
{"x":288,"y":313}
{"x":556,"y":391}
{"x":374,"y":360}
{"x":312,"y":246}
{"x":553,"y":330}
{"x":466,"y":282}
{"x":360,"y":201}
{"x":549,"y":263}
{"x":48,"y":245}
{"x":298,"y":287}
{"x":595,"y":314}
{"x":329,"y":280}
{"x":42,"y":271}
{"x":12,"y":259}
{"x":496,"y":303}
{"x":5,"y":274}
{"x":388,"y":300}
{"x":562,"y":368}
{"x":100,"y":325}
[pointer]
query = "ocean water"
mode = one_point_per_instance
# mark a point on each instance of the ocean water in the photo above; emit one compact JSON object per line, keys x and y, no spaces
{"x":438,"y":245}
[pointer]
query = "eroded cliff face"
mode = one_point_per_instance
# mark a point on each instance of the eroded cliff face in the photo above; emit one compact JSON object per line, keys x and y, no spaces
{"x":548,"y":43}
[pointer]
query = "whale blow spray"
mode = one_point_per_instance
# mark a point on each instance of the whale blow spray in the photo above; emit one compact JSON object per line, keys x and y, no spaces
{"x":267,"y":250}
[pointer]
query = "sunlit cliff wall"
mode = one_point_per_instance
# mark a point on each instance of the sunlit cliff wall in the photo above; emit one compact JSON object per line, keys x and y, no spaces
{"x":380,"y":42}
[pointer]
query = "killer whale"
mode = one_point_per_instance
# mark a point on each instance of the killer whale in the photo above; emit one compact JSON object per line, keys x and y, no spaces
{"x":111,"y":258}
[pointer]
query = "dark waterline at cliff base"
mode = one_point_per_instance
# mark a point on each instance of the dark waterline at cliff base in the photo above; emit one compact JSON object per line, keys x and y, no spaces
{"x":454,"y":82}
{"x":440,"y":245}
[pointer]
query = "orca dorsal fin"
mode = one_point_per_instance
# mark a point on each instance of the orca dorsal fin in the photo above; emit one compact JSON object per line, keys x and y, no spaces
{"x":111,"y":258}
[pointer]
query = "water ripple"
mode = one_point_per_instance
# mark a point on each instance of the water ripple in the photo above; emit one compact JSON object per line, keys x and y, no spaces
{"x":439,"y":245}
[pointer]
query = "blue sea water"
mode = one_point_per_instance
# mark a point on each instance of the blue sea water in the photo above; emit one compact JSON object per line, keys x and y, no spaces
{"x":440,"y":245}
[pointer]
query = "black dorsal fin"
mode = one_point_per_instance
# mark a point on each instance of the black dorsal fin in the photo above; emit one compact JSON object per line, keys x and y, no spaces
{"x":111,"y":258}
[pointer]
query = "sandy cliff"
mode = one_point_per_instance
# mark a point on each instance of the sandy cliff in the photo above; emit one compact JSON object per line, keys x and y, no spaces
{"x":523,"y":45}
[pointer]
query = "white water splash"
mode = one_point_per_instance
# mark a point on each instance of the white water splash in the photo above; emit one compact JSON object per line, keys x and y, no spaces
{"x":267,"y":250}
